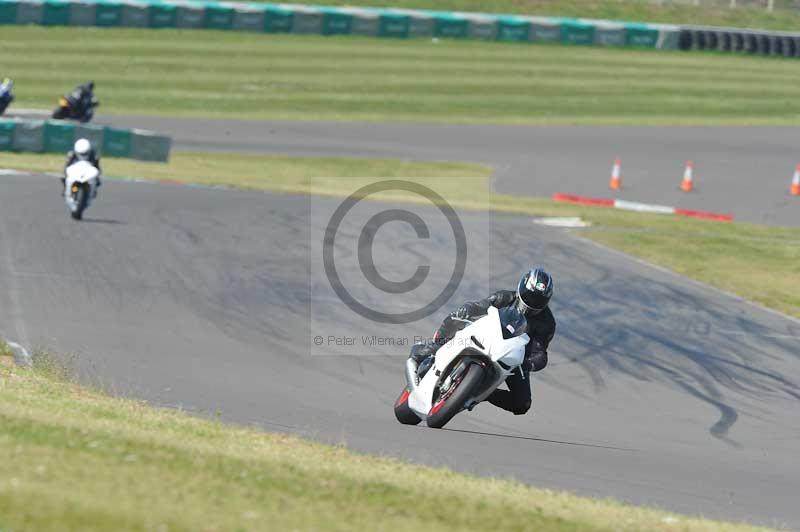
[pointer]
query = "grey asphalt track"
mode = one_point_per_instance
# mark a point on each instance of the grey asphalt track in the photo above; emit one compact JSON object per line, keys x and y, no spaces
{"x":744,"y":171}
{"x":660,"y":391}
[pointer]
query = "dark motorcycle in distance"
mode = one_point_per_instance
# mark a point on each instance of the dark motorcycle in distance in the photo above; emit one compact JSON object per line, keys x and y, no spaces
{"x":78,"y":105}
{"x":6,"y":96}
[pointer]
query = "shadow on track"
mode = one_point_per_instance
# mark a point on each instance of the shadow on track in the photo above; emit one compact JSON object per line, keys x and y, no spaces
{"x":102,"y":221}
{"x":543,"y":440}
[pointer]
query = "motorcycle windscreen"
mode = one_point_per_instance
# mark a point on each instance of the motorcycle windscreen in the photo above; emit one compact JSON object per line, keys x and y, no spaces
{"x":512,"y":322}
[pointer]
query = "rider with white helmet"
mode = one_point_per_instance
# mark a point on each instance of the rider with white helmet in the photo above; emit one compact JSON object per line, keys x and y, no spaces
{"x":82,"y":151}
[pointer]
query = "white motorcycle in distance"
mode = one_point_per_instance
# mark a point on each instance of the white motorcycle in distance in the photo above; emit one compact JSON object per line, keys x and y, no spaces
{"x":466,"y":370}
{"x":81,"y":187}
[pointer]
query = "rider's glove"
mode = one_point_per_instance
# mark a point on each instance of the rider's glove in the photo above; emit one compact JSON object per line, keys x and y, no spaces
{"x":461,"y":313}
{"x":527,"y":365}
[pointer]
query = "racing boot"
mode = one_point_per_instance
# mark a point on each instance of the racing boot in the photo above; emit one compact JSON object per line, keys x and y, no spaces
{"x":424,"y":366}
{"x":423,"y":356}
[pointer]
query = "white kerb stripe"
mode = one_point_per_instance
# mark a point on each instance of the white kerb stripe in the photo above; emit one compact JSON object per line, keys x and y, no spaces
{"x":643,"y":207}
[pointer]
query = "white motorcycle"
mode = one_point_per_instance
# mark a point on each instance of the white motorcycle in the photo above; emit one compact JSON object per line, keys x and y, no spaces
{"x":81,"y":187}
{"x":466,"y":370}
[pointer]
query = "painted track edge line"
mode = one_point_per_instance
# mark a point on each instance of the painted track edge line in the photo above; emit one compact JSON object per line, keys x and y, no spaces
{"x":640,"y":207}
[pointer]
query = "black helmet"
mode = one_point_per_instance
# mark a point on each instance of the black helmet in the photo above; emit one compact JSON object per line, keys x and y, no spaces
{"x":534,"y":291}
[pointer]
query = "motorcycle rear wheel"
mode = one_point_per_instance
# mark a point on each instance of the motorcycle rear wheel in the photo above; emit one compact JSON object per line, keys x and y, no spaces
{"x":444,"y":410}
{"x":60,"y":113}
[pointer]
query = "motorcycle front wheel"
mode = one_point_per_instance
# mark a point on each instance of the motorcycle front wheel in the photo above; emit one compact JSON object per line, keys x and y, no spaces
{"x":77,"y":214}
{"x":452,"y":401}
{"x":403,"y":412}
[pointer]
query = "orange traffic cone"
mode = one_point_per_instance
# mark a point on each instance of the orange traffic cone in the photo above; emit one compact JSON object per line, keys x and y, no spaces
{"x":687,"y":185}
{"x":795,"y":190}
{"x":616,"y":180}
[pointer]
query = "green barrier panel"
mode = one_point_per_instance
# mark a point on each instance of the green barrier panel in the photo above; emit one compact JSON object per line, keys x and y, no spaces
{"x":163,"y":15}
{"x":450,"y":26}
{"x":307,"y":20}
{"x":482,"y":27}
{"x":29,"y":12}
{"x":336,"y":22}
{"x":219,"y":17}
{"x":58,"y":136}
{"x":135,"y":14}
{"x":6,"y":135}
{"x":108,"y":13}
{"x":147,"y":146}
{"x":277,"y":20}
{"x":82,"y":13}
{"x":248,"y":17}
{"x":56,"y":13}
{"x":576,"y":32}
{"x":641,"y":35}
{"x":420,"y":24}
{"x":189,"y":14}
{"x":513,"y":29}
{"x":29,"y":136}
{"x":93,"y":134}
{"x":545,"y":29}
{"x":116,"y":142}
{"x":609,"y":34}
{"x":8,"y":12}
{"x":365,"y":22}
{"x":393,"y":25}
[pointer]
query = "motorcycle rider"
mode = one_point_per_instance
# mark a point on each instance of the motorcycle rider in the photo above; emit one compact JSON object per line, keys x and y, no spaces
{"x":82,"y":151}
{"x":81,"y":100}
{"x":6,"y":95}
{"x":532,"y":297}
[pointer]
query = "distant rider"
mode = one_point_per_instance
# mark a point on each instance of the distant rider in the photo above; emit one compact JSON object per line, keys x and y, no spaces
{"x":532,"y":298}
{"x":82,"y":151}
{"x":82,"y":97}
{"x":6,"y":94}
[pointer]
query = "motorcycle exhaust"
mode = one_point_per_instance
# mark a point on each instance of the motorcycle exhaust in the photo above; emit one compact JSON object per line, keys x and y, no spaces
{"x":411,"y":374}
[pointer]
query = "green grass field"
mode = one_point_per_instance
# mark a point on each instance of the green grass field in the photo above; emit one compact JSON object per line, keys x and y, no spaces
{"x":219,"y":74}
{"x":783,"y":18}
{"x":719,"y":254}
{"x":74,"y":459}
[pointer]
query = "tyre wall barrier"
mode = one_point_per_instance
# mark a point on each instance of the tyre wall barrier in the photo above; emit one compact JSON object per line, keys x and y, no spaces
{"x":323,"y":20}
{"x":58,"y":136}
{"x":392,"y":23}
{"x":756,"y":42}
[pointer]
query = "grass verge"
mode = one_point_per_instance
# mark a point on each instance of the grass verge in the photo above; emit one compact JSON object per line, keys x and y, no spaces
{"x":230,"y":74}
{"x":715,"y":253}
{"x":785,"y":17}
{"x":256,"y":172}
{"x":79,"y":460}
